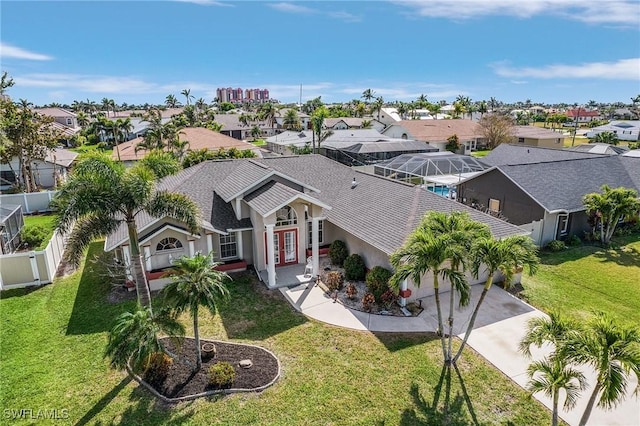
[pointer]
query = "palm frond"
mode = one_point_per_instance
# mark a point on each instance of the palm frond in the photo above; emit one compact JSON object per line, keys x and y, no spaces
{"x":176,"y":206}
{"x":86,"y":230}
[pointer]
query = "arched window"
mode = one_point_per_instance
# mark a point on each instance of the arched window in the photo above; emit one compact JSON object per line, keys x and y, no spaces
{"x":286,"y":216}
{"x":169,"y":243}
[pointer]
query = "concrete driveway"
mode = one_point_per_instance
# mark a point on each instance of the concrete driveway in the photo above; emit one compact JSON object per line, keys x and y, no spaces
{"x":499,"y":327}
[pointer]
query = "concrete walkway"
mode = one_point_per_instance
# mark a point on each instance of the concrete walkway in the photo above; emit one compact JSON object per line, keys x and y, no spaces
{"x":499,"y":327}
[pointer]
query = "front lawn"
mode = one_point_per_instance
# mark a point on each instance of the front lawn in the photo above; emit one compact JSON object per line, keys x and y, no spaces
{"x":53,"y":339}
{"x":585,"y":278}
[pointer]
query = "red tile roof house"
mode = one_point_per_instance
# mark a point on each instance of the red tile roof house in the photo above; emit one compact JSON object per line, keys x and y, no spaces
{"x":198,"y":138}
{"x":582,"y":115}
{"x":269,"y":212}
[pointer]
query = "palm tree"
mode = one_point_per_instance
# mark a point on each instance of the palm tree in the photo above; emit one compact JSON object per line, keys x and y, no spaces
{"x":482,"y":108}
{"x":607,"y":137}
{"x":377,"y":105}
{"x":507,"y":256}
{"x":134,"y":337}
{"x":291,"y":121}
{"x":187,"y":94}
{"x":366,"y":124}
{"x":610,"y":207}
{"x":554,"y":329}
{"x":171,"y":101}
{"x":101,"y":195}
{"x":367,"y":95}
{"x":256,"y":132}
{"x":317,"y":126}
{"x":552,"y":375}
{"x":83,"y":119}
{"x":613,"y":351}
{"x":434,"y":109}
{"x":195,"y":282}
{"x":268,"y":113}
{"x":435,"y":246}
{"x":458,"y":109}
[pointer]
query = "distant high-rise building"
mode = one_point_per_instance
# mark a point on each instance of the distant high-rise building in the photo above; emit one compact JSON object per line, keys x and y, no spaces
{"x":229,"y":94}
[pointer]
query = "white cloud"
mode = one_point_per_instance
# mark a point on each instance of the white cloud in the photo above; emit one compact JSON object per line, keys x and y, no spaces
{"x":623,"y":12}
{"x":304,"y":10}
{"x":623,"y":69}
{"x":9,"y":51}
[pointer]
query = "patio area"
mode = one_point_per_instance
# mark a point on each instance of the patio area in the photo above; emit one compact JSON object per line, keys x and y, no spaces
{"x":287,"y":276}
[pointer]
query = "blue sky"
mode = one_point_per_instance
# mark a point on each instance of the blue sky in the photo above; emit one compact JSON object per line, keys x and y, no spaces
{"x":543,"y":50}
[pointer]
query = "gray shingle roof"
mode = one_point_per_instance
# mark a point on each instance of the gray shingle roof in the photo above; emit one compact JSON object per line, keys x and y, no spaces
{"x":270,"y":197}
{"x":505,"y":154}
{"x":223,"y":217}
{"x":562,"y":184}
{"x":379,"y":211}
{"x":246,"y":174}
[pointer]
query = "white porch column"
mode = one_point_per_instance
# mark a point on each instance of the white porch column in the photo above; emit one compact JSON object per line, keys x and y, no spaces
{"x":209,"y":243}
{"x":271,"y":258}
{"x":403,"y":287}
{"x":192,"y":248}
{"x":127,"y":261}
{"x":315,"y":246}
{"x":147,"y":257}
{"x":239,"y":245}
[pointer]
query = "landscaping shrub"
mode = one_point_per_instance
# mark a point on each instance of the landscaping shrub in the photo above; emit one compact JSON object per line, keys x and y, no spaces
{"x":367,"y":302}
{"x":378,"y":281}
{"x":574,"y":240}
{"x":157,"y":368}
{"x":387,"y":298}
{"x":221,"y":374}
{"x":555,"y":245}
{"x":33,"y":235}
{"x":351,"y":290}
{"x":334,"y":280}
{"x":354,"y":267}
{"x":338,"y":252}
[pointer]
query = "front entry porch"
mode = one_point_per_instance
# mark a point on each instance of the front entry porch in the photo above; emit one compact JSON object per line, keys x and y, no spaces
{"x":287,"y":276}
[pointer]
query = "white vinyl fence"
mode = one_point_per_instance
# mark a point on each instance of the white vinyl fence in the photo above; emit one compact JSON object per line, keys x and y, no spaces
{"x":31,"y":202}
{"x":33,"y":267}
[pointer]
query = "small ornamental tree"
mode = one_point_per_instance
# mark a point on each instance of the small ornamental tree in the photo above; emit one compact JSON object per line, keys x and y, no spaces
{"x":453,"y":143}
{"x":609,"y":207}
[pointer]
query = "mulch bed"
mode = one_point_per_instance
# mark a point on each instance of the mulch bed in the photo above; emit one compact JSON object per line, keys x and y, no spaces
{"x":181,"y":381}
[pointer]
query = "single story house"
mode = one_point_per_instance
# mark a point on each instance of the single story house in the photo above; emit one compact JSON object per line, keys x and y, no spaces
{"x":545,"y":197}
{"x":345,"y":123}
{"x":625,"y":130}
{"x":436,"y":132}
{"x":537,"y":136}
{"x":581,"y":115}
{"x":274,"y":213}
{"x":198,"y":138}
{"x":233,"y":127}
{"x":49,"y":172}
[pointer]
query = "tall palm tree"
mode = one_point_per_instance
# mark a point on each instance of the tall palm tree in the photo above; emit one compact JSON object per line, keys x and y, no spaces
{"x":367,"y":95}
{"x":268,"y":113}
{"x":170,"y":101}
{"x":507,"y":256}
{"x":613,"y":351}
{"x":134,"y":337}
{"x":377,"y":105}
{"x":461,"y":232}
{"x":83,"y":119}
{"x":195,"y":283}
{"x":552,"y":375}
{"x":291,"y":121}
{"x":482,"y":108}
{"x":101,"y":195}
{"x":187,"y":94}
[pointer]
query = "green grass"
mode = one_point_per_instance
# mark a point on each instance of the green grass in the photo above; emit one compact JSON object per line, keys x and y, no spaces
{"x":259,"y":142}
{"x":53,"y":340}
{"x":47,"y":221}
{"x":84,"y":149}
{"x":481,"y":153}
{"x":581,"y":279}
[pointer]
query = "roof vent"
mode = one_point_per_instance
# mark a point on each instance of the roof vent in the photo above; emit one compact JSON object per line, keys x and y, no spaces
{"x":354,"y":183}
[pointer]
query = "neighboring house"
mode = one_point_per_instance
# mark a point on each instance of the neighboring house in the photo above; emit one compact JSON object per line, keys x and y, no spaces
{"x":389,"y":116}
{"x":62,"y":116}
{"x":625,"y":114}
{"x":231,"y":126}
{"x":537,"y":136}
{"x":48,"y":172}
{"x":508,"y":154}
{"x":272,"y":213}
{"x":436,"y":132}
{"x":353,"y":147}
{"x":545,"y":198}
{"x":304,"y":119}
{"x":11,"y":222}
{"x":198,"y":138}
{"x":345,"y":123}
{"x":600,"y":148}
{"x":625,"y":130}
{"x":581,"y":115}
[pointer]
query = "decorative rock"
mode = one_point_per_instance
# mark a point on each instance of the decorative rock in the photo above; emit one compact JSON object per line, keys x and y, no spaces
{"x":245,"y":363}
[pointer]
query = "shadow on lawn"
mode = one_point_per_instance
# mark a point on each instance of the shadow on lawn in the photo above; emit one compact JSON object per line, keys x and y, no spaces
{"x":104,"y":401}
{"x":254,"y":312}
{"x":91,"y":312}
{"x":623,"y":256}
{"x":442,"y":409}
{"x":398,"y":341}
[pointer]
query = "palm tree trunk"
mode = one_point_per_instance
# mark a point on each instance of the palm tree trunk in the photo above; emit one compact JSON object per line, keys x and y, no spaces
{"x":452,"y":297}
{"x":142,"y":287}
{"x":592,"y":401}
{"x":196,"y":335}
{"x":436,"y":290}
{"x":554,"y":415}
{"x":487,"y":286}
